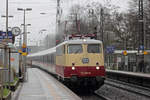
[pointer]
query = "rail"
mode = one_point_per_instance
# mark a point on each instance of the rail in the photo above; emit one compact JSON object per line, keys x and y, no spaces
{"x":129,"y":87}
{"x":129,"y":77}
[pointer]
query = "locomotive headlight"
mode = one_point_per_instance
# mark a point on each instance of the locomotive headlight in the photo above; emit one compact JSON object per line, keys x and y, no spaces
{"x":97,"y":67}
{"x":84,"y":40}
{"x":73,"y":68}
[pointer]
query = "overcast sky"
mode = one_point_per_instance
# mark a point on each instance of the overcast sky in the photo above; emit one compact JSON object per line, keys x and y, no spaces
{"x":38,"y":21}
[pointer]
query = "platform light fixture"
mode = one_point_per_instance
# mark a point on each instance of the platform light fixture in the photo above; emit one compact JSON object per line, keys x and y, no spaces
{"x":24,"y":39}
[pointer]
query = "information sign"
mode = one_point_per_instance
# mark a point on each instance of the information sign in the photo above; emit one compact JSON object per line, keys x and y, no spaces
{"x":6,"y":37}
{"x":110,"y":49}
{"x":24,"y":54}
{"x":125,"y":52}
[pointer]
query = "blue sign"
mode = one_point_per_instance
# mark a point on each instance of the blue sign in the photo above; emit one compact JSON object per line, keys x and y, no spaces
{"x":23,"y":49}
{"x":28,"y":49}
{"x":4,"y":36}
{"x":110,"y":49}
{"x":141,"y":47}
{"x":1,"y":37}
{"x":10,"y":33}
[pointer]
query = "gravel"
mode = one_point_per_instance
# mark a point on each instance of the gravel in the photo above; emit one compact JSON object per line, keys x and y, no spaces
{"x":119,"y":94}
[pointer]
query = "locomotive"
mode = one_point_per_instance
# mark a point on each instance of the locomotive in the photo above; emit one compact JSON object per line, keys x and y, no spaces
{"x":78,"y":62}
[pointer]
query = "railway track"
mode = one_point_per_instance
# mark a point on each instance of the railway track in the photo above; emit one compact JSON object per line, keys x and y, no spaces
{"x":94,"y":96}
{"x":132,"y":88}
{"x":101,"y":96}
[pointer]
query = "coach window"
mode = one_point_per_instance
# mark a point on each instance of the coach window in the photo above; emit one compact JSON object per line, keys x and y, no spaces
{"x":93,"y":48}
{"x":75,"y":48}
{"x":64,"y":49}
{"x":48,"y":58}
{"x":52,"y":58}
{"x":59,"y":51}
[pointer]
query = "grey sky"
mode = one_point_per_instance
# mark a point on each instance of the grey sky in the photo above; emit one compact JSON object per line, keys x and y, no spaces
{"x":46,"y":21}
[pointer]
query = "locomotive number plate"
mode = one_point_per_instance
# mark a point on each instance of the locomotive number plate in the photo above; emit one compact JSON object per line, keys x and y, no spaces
{"x":85,"y":60}
{"x":87,"y":73}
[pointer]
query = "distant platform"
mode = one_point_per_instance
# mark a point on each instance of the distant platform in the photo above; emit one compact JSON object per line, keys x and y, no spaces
{"x":42,"y":86}
{"x":138,"y":74}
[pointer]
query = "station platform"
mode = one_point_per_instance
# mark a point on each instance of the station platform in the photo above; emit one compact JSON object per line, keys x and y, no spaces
{"x":138,"y":74}
{"x":42,"y":86}
{"x":136,"y":78}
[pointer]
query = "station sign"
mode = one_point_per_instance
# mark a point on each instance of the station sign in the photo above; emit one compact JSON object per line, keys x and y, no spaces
{"x":125,"y":53}
{"x":145,"y":53}
{"x":6,"y":37}
{"x":23,"y":49}
{"x":110,"y":49}
{"x":24,"y":54}
{"x":141,"y":47}
{"x":20,"y":51}
{"x":24,"y":45}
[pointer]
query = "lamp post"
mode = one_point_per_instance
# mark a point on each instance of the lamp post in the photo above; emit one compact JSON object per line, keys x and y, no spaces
{"x":7,"y":17}
{"x":5,"y":49}
{"x":24,"y":40}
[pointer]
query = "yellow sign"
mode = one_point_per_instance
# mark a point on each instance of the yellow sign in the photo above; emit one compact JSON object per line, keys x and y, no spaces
{"x":19,"y":51}
{"x":24,"y":54}
{"x":24,"y":45}
{"x":145,"y":52}
{"x":125,"y":52}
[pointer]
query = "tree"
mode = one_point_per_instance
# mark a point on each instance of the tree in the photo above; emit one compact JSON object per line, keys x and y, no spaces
{"x":124,"y":28}
{"x":134,"y":13}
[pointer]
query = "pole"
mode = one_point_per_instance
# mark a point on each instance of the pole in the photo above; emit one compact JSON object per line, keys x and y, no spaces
{"x":93,"y":26}
{"x":65,"y":32}
{"x":24,"y":43}
{"x":9,"y":66}
{"x":5,"y":57}
{"x":1,"y":72}
{"x":24,"y":28}
{"x":5,"y":48}
{"x":7,"y":18}
{"x":102,"y":24}
{"x":58,"y":16}
{"x":141,"y":31}
{"x":20,"y":58}
{"x":76,"y":20}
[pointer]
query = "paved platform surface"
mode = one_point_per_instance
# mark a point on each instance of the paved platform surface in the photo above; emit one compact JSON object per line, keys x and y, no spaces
{"x":42,"y":86}
{"x":130,"y":73}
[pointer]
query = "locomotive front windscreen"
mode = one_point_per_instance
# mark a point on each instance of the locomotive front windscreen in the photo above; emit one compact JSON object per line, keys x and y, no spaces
{"x":75,"y":48}
{"x":93,"y":48}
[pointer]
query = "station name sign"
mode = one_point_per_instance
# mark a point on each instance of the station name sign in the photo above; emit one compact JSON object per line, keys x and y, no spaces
{"x":6,"y":37}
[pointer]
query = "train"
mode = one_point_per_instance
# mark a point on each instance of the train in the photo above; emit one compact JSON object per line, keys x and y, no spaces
{"x":78,"y":62}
